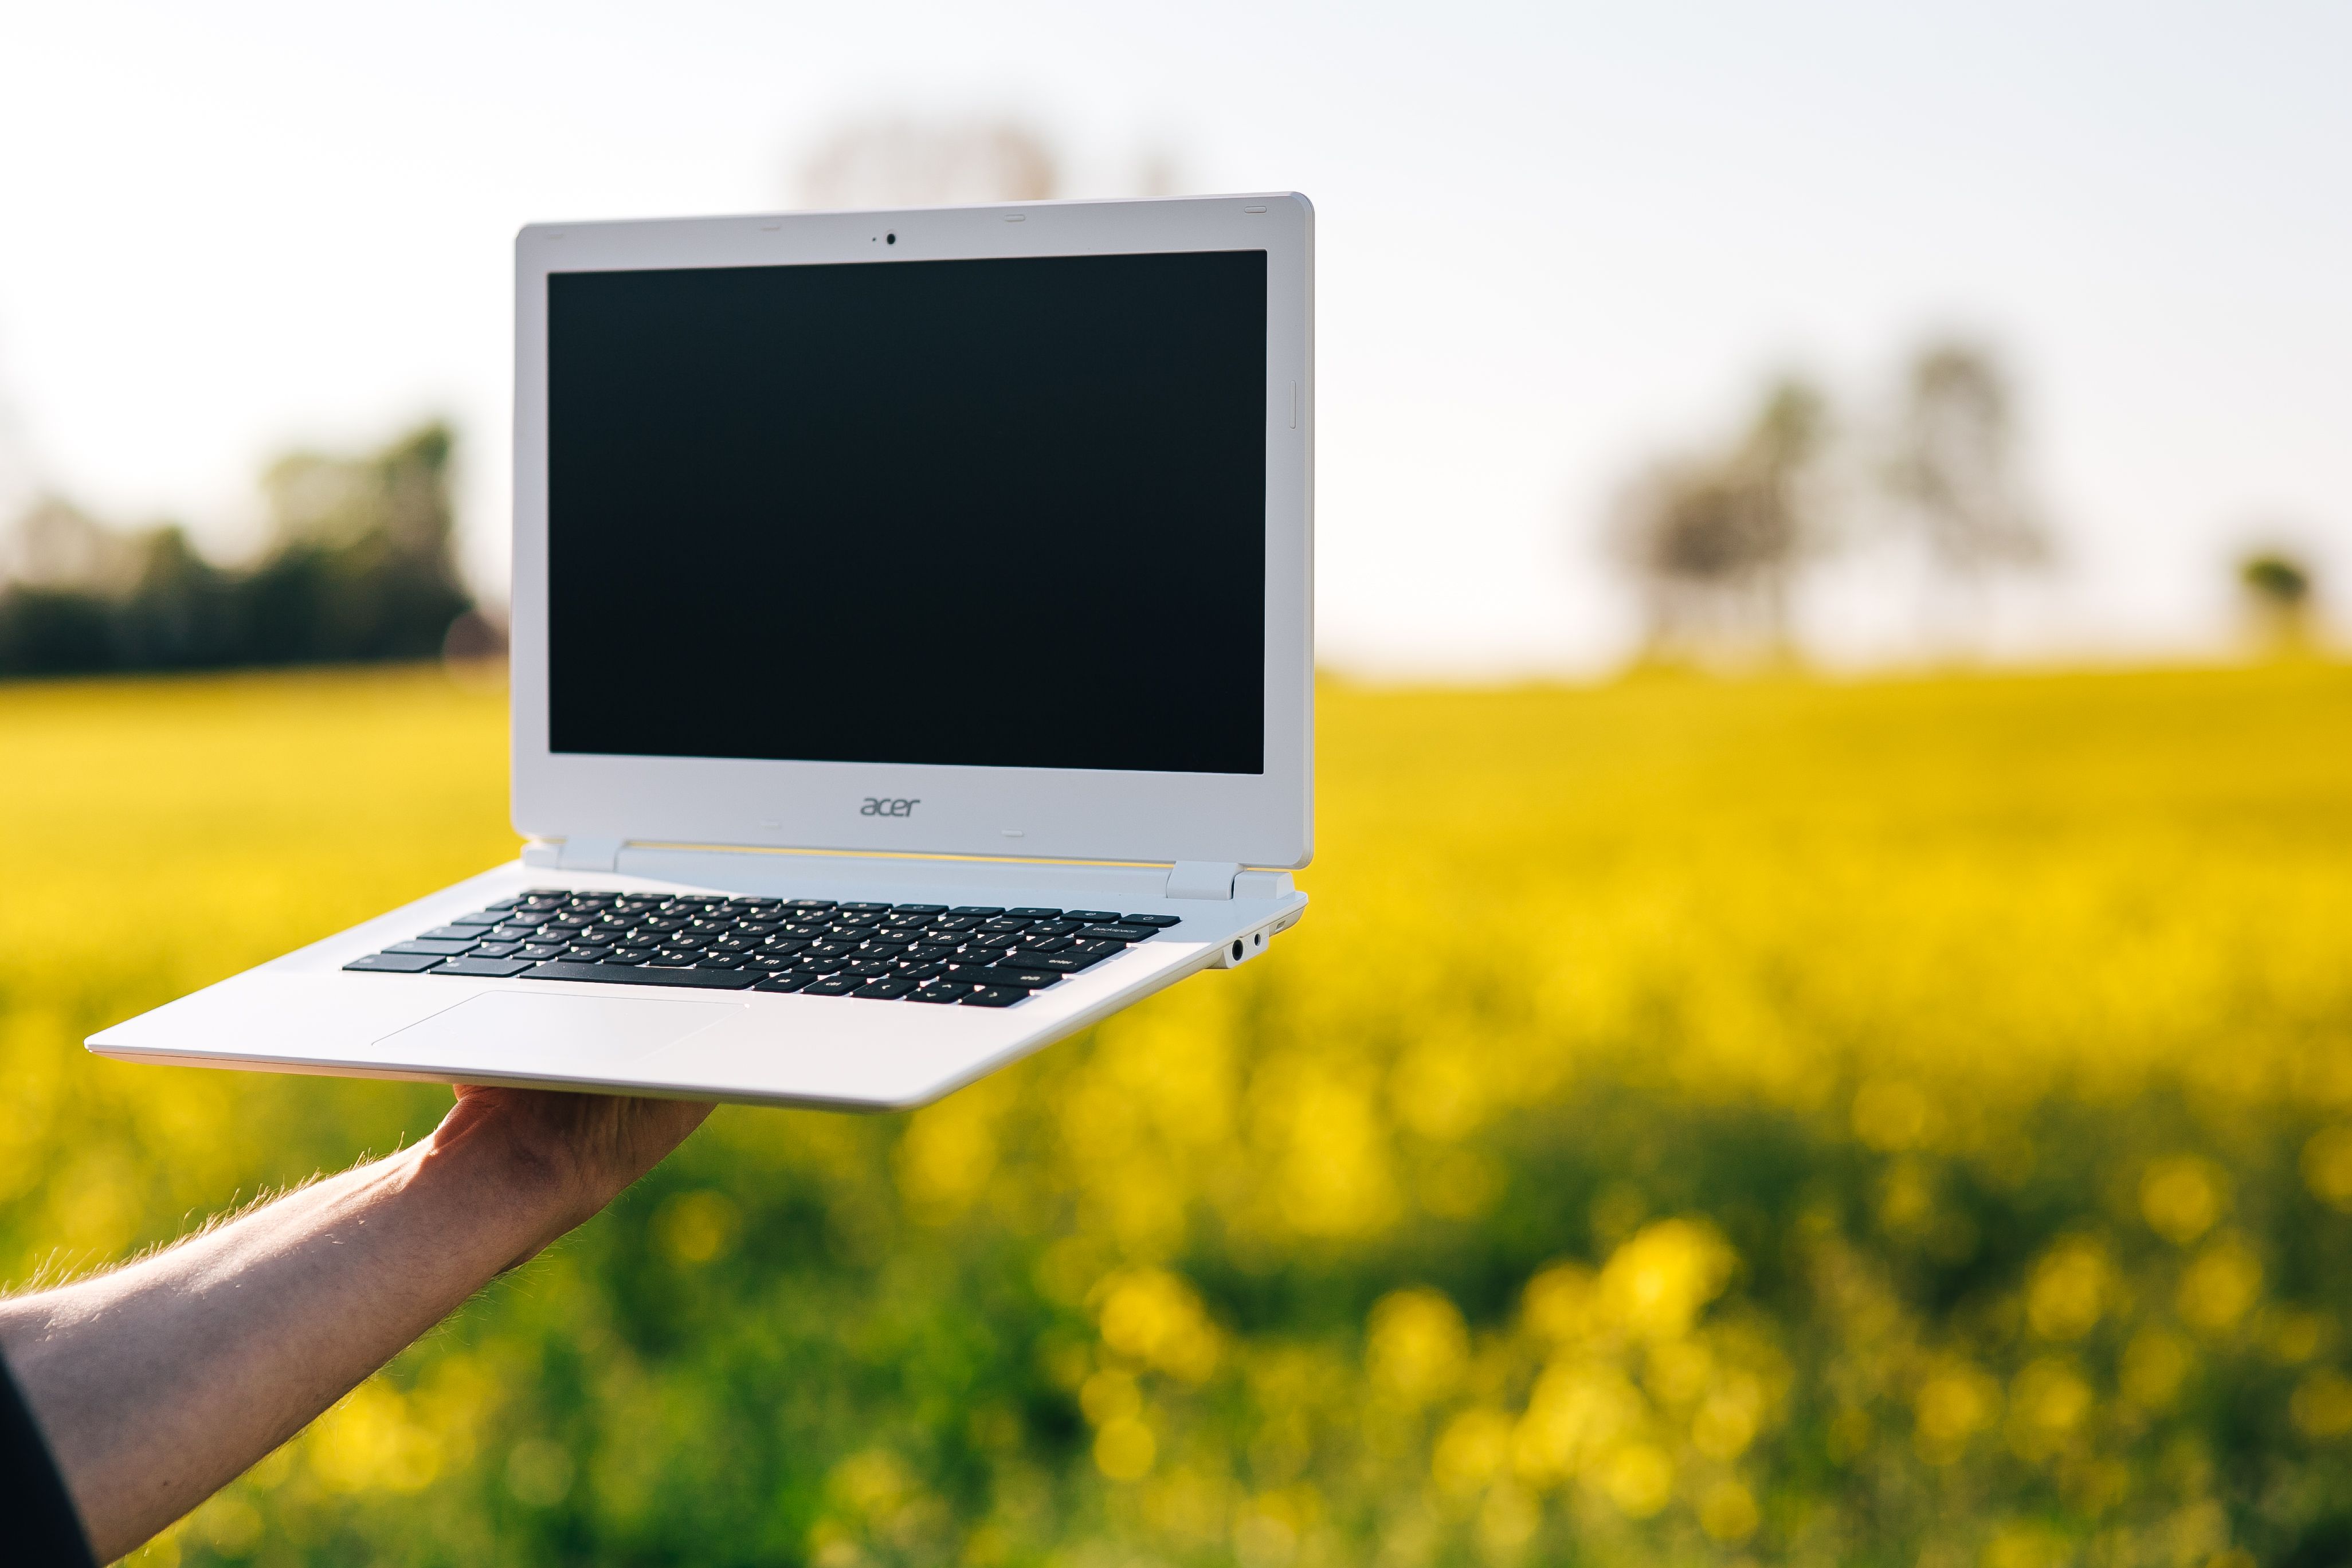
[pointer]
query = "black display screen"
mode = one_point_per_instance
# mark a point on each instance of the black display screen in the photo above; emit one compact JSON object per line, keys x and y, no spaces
{"x":1006,"y":512}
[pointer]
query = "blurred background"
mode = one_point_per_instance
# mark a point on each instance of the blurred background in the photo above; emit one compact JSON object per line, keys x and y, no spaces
{"x":1559,"y":245}
{"x":1823,"y":1035}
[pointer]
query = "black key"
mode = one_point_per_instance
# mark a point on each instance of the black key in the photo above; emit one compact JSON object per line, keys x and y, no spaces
{"x":587,"y":949}
{"x":484,"y":968}
{"x":437,"y":949}
{"x":1023,"y":960}
{"x":451,"y":933}
{"x":395,"y":963}
{"x":685,"y":940}
{"x":1091,"y":916}
{"x":924,"y":971}
{"x":865,"y":909}
{"x":1100,"y":949}
{"x":1035,"y":979}
{"x":758,"y":927}
{"x":904,"y":922}
{"x":884,"y":989}
{"x":540,"y":950}
{"x":772,"y":962}
{"x":869,"y":968}
{"x":819,"y":963}
{"x":643,"y":941}
{"x":512,"y":931}
{"x":1162,"y":921}
{"x":1036,"y":914}
{"x":986,"y":974}
{"x":625,"y":958}
{"x":1054,"y":928}
{"x":1005,"y":922}
{"x":833,"y":985}
{"x":785,"y":944}
{"x":852,"y":916}
{"x":955,"y":922}
{"x":754,"y":901}
{"x":496,"y":949}
{"x":883,"y":947}
{"x":504,"y":903}
{"x":786,"y":982}
{"x":981,"y":911}
{"x":945,"y":994}
{"x":669,"y":960}
{"x":548,"y":893}
{"x":922,"y":908}
{"x":1045,"y":943}
{"x":614,"y":974}
{"x":832,"y":949}
{"x":995,"y":997}
{"x":721,"y":961}
{"x":1065,"y":963}
{"x":479,"y":917}
{"x":736,"y":944}
{"x":665,"y":922}
{"x":924,"y":951}
{"x":1116,"y":934}
{"x":810,"y":904}
{"x":696,"y":899}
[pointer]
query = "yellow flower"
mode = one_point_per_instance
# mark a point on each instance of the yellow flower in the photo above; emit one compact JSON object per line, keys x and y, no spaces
{"x":1417,"y":1345}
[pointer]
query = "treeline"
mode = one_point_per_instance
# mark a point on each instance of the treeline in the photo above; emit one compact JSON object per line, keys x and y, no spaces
{"x":359,"y":567}
{"x":1717,"y":538}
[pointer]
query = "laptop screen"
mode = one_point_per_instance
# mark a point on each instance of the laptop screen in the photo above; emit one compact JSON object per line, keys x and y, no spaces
{"x":1003,"y":512}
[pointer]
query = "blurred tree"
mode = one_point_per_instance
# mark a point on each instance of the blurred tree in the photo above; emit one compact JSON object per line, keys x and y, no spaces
{"x":1716,"y":541}
{"x":917,"y":163}
{"x":2278,"y":588}
{"x":183,"y":612}
{"x":363,"y":567}
{"x":360,"y":567}
{"x":1952,"y":470}
{"x":56,"y":544}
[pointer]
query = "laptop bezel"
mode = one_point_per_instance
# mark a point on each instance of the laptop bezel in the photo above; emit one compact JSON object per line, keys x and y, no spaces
{"x":1261,"y":819}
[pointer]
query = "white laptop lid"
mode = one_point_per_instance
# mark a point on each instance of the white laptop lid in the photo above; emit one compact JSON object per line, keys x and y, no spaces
{"x":978,"y":531}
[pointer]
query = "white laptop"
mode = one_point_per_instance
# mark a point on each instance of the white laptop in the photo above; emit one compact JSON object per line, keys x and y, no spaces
{"x":911,"y":660}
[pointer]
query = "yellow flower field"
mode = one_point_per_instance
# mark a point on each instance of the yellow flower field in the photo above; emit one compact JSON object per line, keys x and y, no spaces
{"x":1895,"y":1121}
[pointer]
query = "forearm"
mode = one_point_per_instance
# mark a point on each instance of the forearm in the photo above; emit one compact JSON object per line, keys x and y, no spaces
{"x":160,"y":1383}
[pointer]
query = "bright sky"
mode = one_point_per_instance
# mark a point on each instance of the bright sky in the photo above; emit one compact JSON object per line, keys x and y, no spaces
{"x":1553,"y":240}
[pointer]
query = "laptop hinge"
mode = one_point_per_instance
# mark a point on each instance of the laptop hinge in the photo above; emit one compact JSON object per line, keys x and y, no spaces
{"x":1202,"y":878}
{"x":773,"y":870}
{"x":589,"y":854}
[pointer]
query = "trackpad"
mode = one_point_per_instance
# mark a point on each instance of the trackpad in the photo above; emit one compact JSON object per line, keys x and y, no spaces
{"x":514,"y":1031}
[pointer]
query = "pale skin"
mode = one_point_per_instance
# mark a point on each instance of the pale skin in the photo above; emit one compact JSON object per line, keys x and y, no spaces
{"x":160,"y":1383}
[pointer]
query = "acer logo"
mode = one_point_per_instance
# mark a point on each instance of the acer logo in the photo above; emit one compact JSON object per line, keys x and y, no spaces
{"x":883,"y":806}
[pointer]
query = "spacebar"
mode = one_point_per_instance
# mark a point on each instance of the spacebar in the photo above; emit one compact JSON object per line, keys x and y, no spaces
{"x":631,"y":974}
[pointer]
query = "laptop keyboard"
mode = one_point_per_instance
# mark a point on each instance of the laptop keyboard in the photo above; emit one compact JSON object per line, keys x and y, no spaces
{"x":970,"y":955}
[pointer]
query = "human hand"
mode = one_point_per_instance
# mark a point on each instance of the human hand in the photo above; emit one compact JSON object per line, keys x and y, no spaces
{"x":158,"y":1383}
{"x":576,"y":1152}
